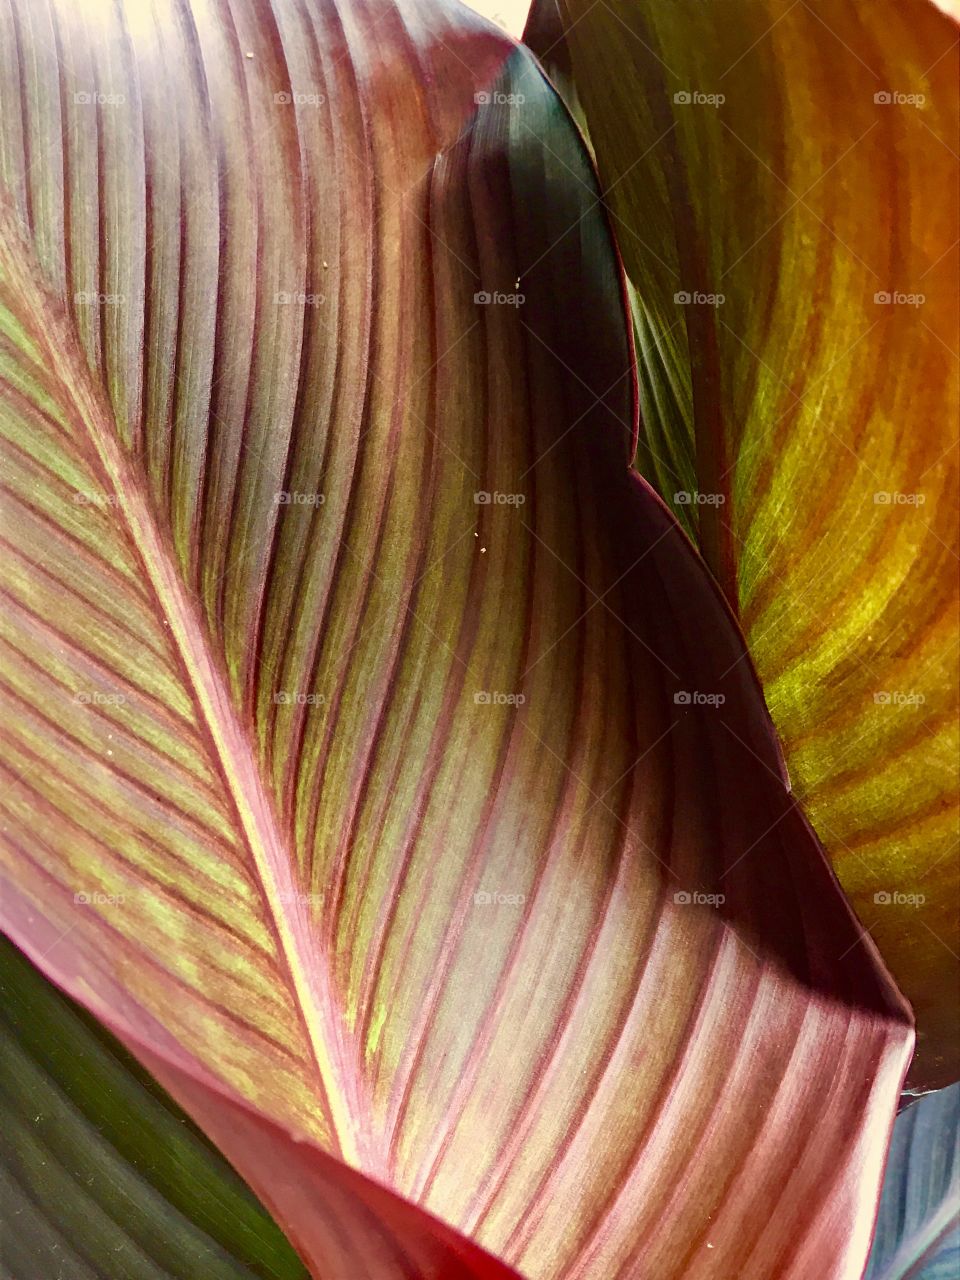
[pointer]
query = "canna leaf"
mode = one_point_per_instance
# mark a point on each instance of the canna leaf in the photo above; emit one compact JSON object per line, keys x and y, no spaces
{"x":102,"y":1175}
{"x":918,"y":1228}
{"x":784,"y":189}
{"x":381,"y":765}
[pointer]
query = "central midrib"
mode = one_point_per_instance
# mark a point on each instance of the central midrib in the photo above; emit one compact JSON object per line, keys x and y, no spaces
{"x":340,"y":1075}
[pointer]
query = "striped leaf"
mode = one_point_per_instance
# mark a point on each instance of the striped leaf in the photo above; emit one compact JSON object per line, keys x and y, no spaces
{"x":918,"y":1228}
{"x":784,"y":191}
{"x":102,"y":1175}
{"x":381,"y":765}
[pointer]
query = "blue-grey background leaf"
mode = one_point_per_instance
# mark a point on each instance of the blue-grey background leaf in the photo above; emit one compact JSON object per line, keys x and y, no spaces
{"x":918,"y":1228}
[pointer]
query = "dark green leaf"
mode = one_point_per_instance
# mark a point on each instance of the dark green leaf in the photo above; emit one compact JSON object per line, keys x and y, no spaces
{"x":102,"y":1174}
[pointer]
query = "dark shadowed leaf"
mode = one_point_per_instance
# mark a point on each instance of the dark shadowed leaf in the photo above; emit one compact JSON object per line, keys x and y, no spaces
{"x":784,"y":189}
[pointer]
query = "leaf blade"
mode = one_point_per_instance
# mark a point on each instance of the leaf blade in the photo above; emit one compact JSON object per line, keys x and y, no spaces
{"x":417,"y":814}
{"x":125,"y":1148}
{"x":790,"y":166}
{"x":918,"y":1229}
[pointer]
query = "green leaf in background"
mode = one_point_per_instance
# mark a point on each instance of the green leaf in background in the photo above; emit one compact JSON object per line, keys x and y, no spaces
{"x":102,"y":1173}
{"x":918,"y":1228}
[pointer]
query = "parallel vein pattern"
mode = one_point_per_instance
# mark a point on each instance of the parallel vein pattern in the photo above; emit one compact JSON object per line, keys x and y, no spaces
{"x":102,"y":1176}
{"x":382,"y":766}
{"x":784,"y":189}
{"x":918,"y":1227}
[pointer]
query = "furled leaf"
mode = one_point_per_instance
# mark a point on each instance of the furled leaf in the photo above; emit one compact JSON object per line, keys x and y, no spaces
{"x":382,"y":766}
{"x":102,"y":1175}
{"x":784,"y":189}
{"x":918,"y":1228}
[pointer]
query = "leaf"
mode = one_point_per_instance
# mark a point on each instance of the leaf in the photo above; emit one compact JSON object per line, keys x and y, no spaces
{"x":918,"y":1228}
{"x":433,"y":852}
{"x":102,"y":1174}
{"x":799,"y":164}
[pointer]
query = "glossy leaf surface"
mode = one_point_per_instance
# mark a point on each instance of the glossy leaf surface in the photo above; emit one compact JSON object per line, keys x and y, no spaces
{"x":784,"y":190}
{"x":382,"y":765}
